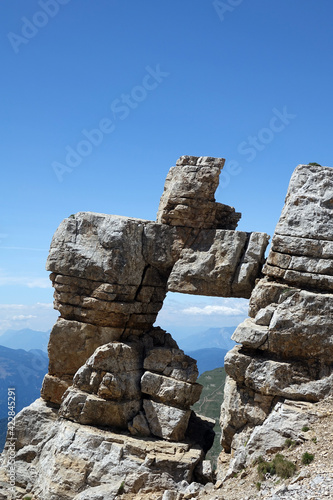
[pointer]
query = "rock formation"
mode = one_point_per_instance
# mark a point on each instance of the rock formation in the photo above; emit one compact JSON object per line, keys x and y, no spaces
{"x":111,"y":275}
{"x":115,"y":414}
{"x":118,"y":390}
{"x":116,"y":409}
{"x":285,"y":349}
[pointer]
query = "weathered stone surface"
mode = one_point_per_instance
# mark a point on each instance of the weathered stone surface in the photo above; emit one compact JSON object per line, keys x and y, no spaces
{"x":170,"y":391}
{"x":75,"y":462}
{"x":293,"y":277}
{"x":188,"y":197}
{"x":250,"y":265}
{"x":98,"y":247}
{"x":165,"y":421}
{"x":89,"y":409}
{"x":292,"y":379}
{"x":204,"y":472}
{"x":266,"y":293}
{"x":106,"y":389}
{"x":109,"y":491}
{"x":116,"y":357}
{"x":286,"y":421}
{"x":208,"y":267}
{"x":299,"y":326}
{"x":53,"y":388}
{"x":250,"y":334}
{"x":219,"y":263}
{"x":139,"y":425}
{"x":308,"y":207}
{"x":171,"y":363}
{"x":103,"y":269}
{"x":307,"y":247}
{"x":72,"y":343}
{"x":302,"y":248}
{"x":242,"y":408}
{"x":158,"y":338}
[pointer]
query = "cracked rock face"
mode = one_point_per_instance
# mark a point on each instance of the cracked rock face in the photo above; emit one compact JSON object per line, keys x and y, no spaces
{"x":219,"y":263}
{"x":285,"y":351}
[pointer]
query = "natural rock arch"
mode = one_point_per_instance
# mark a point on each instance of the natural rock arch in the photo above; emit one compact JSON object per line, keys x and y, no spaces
{"x":111,"y":275}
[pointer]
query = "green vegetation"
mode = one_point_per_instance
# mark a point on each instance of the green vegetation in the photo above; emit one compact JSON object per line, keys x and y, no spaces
{"x":265,"y":467}
{"x":27,"y":497}
{"x":284,"y":468}
{"x":314,"y":439}
{"x":209,"y":405}
{"x":305,"y":428}
{"x":121,"y":488}
{"x":289,"y":443}
{"x":258,"y":486}
{"x":279,"y":466}
{"x":314,"y":164}
{"x":307,"y":458}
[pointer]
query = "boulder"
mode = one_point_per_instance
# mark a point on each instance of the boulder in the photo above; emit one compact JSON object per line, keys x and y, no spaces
{"x":170,"y":391}
{"x":188,"y":197}
{"x":165,"y":421}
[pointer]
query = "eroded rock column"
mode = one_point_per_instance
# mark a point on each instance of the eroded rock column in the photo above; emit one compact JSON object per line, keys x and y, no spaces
{"x":286,"y":345}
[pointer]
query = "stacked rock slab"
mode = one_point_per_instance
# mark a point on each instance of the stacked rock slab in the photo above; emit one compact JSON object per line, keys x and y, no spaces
{"x":188,"y":197}
{"x":118,"y":389}
{"x":286,"y":345}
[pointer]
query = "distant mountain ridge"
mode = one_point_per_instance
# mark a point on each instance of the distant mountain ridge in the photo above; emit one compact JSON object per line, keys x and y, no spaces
{"x":213,"y":337}
{"x":25,"y":339}
{"x":208,"y":359}
{"x":24,"y":371}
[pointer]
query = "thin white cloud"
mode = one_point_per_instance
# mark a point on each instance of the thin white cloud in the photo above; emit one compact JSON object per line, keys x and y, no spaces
{"x":39,"y":316}
{"x":25,"y":281}
{"x":215,"y":309}
{"x":22,"y":317}
{"x":38,"y":283}
{"x":183,"y":312}
{"x":12,"y":306}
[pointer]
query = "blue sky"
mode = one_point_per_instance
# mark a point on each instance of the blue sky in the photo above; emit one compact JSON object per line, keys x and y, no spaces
{"x":250,"y":81}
